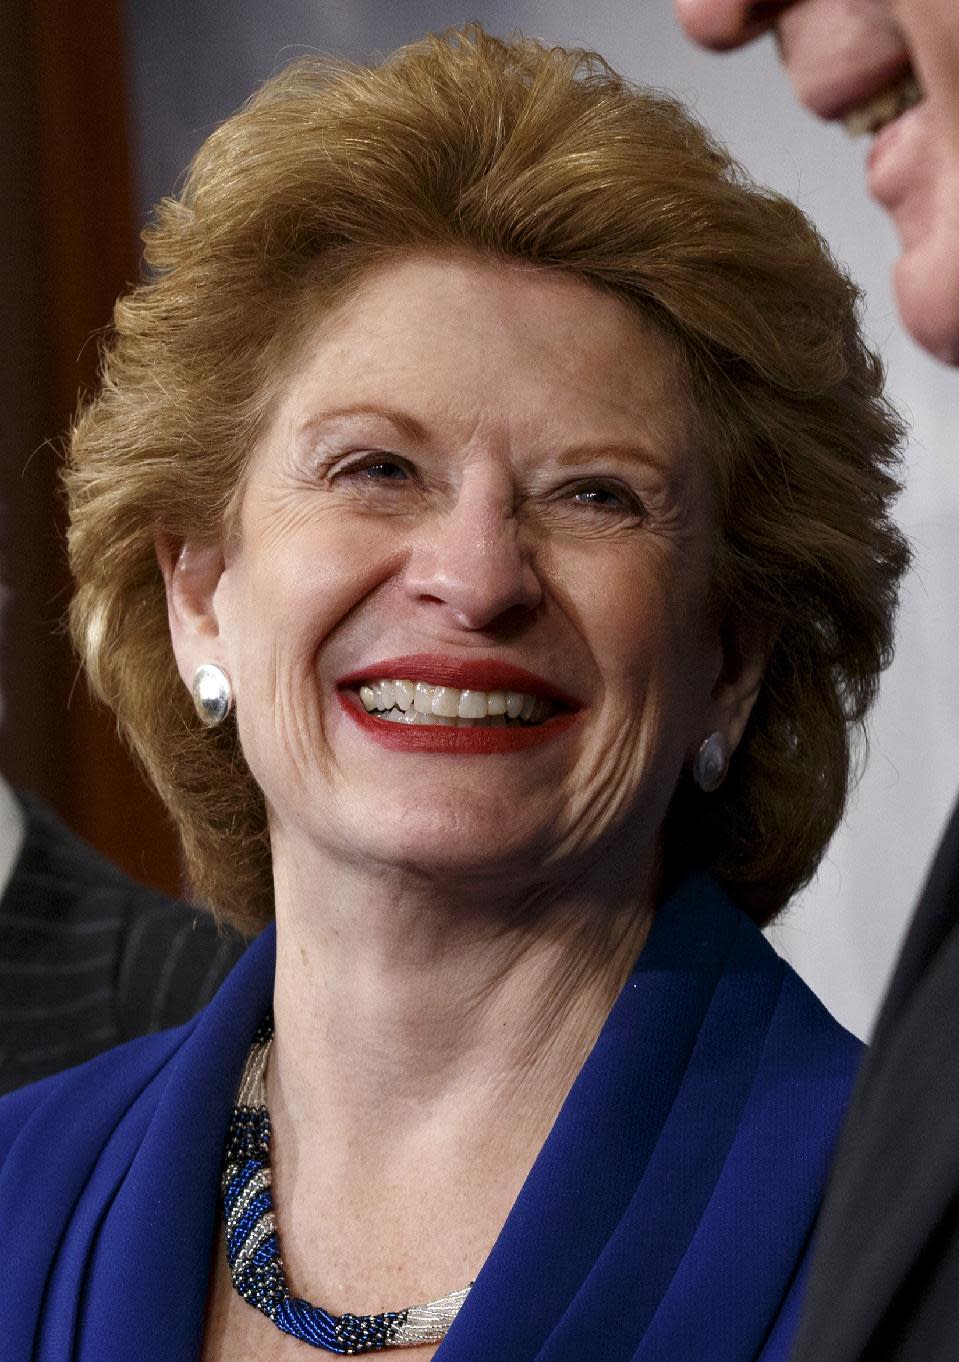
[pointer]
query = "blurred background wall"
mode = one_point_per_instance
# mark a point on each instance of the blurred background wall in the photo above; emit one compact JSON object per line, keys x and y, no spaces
{"x":67,"y":245}
{"x":102,"y":108}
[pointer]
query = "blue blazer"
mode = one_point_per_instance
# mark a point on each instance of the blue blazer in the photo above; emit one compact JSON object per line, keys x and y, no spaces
{"x":667,"y":1217}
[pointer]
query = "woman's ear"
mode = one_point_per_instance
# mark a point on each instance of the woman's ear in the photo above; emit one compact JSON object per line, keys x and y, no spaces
{"x":747,"y":646}
{"x":192,"y":572}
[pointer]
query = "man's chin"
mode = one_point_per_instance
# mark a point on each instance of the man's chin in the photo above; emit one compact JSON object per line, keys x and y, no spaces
{"x":926,"y":281}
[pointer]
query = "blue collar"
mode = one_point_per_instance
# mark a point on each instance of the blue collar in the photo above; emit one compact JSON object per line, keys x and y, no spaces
{"x":666,"y":1216}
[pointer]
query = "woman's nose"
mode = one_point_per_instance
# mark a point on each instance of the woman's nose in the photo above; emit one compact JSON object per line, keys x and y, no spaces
{"x":472,"y":565}
{"x":722,"y":24}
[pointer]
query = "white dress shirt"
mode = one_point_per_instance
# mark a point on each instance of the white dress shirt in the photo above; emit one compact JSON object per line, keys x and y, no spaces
{"x":12,"y":833}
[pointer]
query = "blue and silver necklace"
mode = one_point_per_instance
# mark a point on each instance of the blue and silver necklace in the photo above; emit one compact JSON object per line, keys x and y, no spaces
{"x":253,"y":1250}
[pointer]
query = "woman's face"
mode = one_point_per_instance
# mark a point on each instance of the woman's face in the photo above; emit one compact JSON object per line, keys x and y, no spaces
{"x":472,"y":467}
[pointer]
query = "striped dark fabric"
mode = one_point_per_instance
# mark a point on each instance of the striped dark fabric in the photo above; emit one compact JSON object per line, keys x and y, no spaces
{"x":88,"y":958}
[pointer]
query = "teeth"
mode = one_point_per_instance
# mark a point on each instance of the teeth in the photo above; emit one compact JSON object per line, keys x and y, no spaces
{"x":403,"y":694}
{"x":445,"y":701}
{"x":473,"y":704}
{"x":410,"y":702}
{"x":397,"y":716}
{"x":875,"y":113}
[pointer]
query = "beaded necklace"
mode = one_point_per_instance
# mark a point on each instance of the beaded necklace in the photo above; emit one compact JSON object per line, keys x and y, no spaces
{"x":253,"y":1250}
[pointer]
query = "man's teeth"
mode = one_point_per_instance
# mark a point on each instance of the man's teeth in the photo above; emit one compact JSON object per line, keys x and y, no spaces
{"x":415,"y":702}
{"x":884,"y":107}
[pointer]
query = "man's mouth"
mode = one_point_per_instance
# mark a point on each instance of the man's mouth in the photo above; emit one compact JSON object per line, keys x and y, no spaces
{"x":884,"y":107}
{"x":400,"y":701}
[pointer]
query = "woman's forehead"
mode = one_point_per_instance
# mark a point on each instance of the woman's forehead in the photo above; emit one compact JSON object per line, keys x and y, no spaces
{"x":433,"y":342}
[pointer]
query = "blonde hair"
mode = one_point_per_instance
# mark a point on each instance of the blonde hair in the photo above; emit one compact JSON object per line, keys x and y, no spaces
{"x":527,"y":153}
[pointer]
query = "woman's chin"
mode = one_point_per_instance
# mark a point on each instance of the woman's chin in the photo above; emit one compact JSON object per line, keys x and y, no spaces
{"x":458,"y":847}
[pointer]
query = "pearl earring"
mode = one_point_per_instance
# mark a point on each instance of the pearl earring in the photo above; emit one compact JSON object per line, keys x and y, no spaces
{"x":212,"y":694}
{"x":710,"y":763}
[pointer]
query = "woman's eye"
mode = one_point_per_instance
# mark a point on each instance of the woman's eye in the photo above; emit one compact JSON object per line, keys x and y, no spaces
{"x":383,"y":470}
{"x":606,"y":498}
{"x":378,"y":469}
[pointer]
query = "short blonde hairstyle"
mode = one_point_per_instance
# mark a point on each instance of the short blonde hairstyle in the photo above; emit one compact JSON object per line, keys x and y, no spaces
{"x":546,"y":156}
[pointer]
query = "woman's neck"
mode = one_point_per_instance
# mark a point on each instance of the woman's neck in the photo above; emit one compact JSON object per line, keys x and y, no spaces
{"x":426,"y":1036}
{"x":436,"y":981}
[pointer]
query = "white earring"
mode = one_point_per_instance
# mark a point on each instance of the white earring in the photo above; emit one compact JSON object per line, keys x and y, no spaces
{"x":710,"y":762}
{"x":212,"y":694}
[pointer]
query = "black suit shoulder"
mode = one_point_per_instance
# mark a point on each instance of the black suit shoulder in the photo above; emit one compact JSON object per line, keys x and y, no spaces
{"x":889,"y":1230}
{"x":935,"y":923}
{"x":89,"y":958}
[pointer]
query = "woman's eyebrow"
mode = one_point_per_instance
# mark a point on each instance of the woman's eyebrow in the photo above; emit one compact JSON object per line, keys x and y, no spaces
{"x":662,"y":457}
{"x":407,"y":425}
{"x":659,"y":456}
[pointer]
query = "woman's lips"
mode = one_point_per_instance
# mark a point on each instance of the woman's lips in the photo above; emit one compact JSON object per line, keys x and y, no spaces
{"x":458,"y":674}
{"x":473,"y":741}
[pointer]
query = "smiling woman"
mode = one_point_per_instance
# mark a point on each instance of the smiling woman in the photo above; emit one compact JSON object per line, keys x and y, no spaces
{"x":505,"y":477}
{"x":532,"y":501}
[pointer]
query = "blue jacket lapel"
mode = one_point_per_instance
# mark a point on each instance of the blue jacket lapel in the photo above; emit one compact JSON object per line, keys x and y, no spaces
{"x":666,"y":1216}
{"x":668,"y":1212}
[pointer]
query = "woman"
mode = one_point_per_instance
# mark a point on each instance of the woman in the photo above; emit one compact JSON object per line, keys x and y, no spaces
{"x":511,"y":480}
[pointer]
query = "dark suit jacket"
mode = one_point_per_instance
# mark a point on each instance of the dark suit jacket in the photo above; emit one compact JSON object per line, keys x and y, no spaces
{"x":88,"y":958}
{"x":885,"y":1277}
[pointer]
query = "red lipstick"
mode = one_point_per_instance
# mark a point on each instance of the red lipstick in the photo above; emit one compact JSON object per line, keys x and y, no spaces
{"x":477,"y":741}
{"x":463,"y":674}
